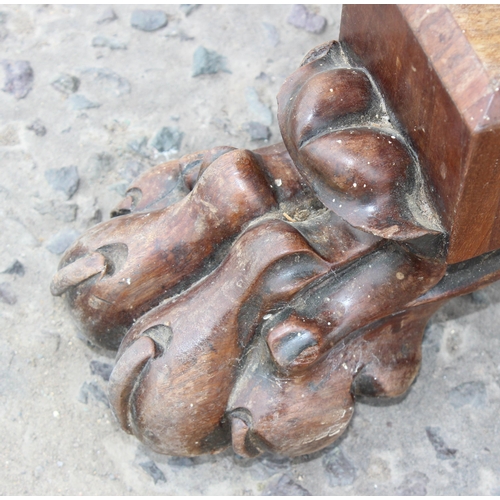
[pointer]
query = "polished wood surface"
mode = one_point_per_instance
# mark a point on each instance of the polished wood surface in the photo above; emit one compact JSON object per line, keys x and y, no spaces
{"x":481,"y":26}
{"x":153,"y":254}
{"x":440,"y":76}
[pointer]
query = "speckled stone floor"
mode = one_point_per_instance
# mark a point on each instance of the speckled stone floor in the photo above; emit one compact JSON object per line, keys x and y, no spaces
{"x":117,"y":87}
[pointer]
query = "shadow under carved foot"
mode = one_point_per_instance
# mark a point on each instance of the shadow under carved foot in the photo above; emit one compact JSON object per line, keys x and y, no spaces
{"x":254,"y":295}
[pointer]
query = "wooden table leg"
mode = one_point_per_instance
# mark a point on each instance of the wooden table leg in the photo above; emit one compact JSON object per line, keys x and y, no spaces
{"x":255,"y":295}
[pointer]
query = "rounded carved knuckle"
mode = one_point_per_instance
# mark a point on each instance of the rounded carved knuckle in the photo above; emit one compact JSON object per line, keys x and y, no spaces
{"x":293,"y":347}
{"x":326,"y":100}
{"x":359,"y":163}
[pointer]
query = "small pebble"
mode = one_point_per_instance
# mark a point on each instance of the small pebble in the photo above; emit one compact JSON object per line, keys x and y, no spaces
{"x":7,"y":296}
{"x":340,"y":470}
{"x":468,"y":393}
{"x":83,"y":395}
{"x":95,"y":219}
{"x":15,"y":268}
{"x":65,"y":179}
{"x":139,"y":146}
{"x":272,"y":33}
{"x":166,"y":139}
{"x":112,"y":43}
{"x":102,"y":369}
{"x":302,"y":18}
{"x":92,"y":389}
{"x":107,"y":16}
{"x":152,"y":469}
{"x":66,"y":84}
{"x":79,"y":102}
{"x":61,"y":241}
{"x":284,"y":486}
{"x":263,"y":76}
{"x":208,"y":62}
{"x":55,"y":414}
{"x":65,"y":212}
{"x":148,"y":20}
{"x":257,"y":107}
{"x":442,"y":451}
{"x":131,"y":170}
{"x":188,"y":8}
{"x":108,"y":80}
{"x":100,"y":164}
{"x":257,"y":131}
{"x":18,"y":78}
{"x":38,"y":127}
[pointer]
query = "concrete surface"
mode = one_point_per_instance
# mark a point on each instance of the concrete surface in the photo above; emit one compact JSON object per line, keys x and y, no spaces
{"x":58,"y":435}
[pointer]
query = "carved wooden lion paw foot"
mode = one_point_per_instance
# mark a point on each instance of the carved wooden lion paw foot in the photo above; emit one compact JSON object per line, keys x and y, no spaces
{"x":254,"y":295}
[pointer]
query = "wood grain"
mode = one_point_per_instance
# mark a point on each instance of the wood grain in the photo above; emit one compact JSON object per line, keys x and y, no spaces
{"x":443,"y":90}
{"x":481,"y":26}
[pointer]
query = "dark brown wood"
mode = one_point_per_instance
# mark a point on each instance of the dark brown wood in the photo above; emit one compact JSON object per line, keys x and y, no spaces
{"x":167,"y":183}
{"x":153,"y":254}
{"x":254,"y":296}
{"x":438,"y":67}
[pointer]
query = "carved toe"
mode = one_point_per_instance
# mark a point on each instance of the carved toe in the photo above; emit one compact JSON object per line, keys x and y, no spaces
{"x":180,"y":401}
{"x":152,"y":255}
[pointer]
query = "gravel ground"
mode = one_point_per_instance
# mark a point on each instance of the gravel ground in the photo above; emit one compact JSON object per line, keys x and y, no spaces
{"x":90,"y":99}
